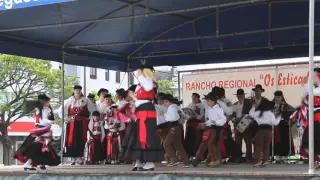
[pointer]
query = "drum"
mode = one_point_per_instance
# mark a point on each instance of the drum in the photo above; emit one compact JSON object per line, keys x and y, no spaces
{"x":244,"y":123}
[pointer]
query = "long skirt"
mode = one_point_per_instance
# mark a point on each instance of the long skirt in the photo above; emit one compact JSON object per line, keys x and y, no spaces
{"x":147,"y":147}
{"x":76,"y":138}
{"x":32,"y":149}
{"x":96,"y":150}
{"x":305,"y":141}
{"x":193,"y":137}
{"x":282,"y":140}
{"x":228,"y":146}
{"x":128,"y":142}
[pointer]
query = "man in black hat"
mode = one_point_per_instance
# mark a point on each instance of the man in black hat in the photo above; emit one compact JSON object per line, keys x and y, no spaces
{"x":240,"y":109}
{"x":258,"y":90}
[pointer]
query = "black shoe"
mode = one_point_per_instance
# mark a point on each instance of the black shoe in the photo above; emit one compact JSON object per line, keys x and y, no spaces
{"x":73,"y":163}
{"x":195,"y":162}
{"x":150,"y":169}
{"x":136,"y":169}
{"x":107,"y":162}
{"x":29,"y":169}
{"x":81,"y":163}
{"x":43,"y":167}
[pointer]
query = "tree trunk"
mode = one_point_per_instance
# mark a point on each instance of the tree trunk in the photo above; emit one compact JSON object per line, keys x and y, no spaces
{"x":6,"y":146}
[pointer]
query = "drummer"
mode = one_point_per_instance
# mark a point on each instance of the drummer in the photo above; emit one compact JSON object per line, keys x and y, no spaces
{"x":240,"y":109}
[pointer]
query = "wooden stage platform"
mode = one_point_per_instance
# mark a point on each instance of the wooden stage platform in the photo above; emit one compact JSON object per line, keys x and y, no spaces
{"x":236,"y":171}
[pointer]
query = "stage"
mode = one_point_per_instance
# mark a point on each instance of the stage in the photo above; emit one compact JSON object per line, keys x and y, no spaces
{"x":122,"y":172}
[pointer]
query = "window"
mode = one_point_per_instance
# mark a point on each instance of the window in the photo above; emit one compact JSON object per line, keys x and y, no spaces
{"x":107,"y":75}
{"x":117,"y":77}
{"x":93,"y":73}
{"x":131,"y":79}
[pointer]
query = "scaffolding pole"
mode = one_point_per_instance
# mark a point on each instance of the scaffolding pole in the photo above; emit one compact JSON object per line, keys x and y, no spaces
{"x":62,"y":103}
{"x":311,"y":86}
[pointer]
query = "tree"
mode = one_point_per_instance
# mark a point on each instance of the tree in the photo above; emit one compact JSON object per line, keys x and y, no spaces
{"x":165,"y":86}
{"x":23,"y":79}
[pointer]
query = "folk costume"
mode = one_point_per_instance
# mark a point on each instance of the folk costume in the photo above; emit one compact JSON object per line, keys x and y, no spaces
{"x":101,"y":103}
{"x":162,"y":124}
{"x":265,"y":118}
{"x":77,"y":113}
{"x":115,"y":135}
{"x":37,"y":148}
{"x":283,"y":140}
{"x":301,"y":118}
{"x":148,"y":147}
{"x":127,"y":115}
{"x":215,"y":120}
{"x":193,"y":133}
{"x":173,"y":141}
{"x":240,"y":109}
{"x":95,"y":136}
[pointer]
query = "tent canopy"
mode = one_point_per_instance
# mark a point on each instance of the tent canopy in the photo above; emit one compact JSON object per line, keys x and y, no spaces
{"x":111,"y":34}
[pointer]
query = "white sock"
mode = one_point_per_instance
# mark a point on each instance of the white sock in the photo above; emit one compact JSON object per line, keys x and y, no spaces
{"x":148,"y":165}
{"x":138,"y":163}
{"x":28,"y":164}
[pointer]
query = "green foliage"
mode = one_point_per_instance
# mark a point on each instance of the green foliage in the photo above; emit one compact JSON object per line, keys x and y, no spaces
{"x":23,"y":79}
{"x":165,"y":86}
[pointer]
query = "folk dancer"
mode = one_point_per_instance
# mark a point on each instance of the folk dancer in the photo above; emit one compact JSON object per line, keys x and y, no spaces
{"x":228,"y":146}
{"x":283,"y":140}
{"x":240,"y":109}
{"x":148,"y":147}
{"x":115,"y":135}
{"x":265,"y":118}
{"x":121,"y":96}
{"x":193,"y":133}
{"x":96,"y":138}
{"x":128,"y":112}
{"x":77,"y":110}
{"x":173,"y":143}
{"x":162,"y":124}
{"x":37,"y":148}
{"x":301,"y":117}
{"x":210,"y":140}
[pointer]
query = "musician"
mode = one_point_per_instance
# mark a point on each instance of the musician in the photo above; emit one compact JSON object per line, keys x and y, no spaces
{"x":77,"y":109}
{"x":162,"y":124}
{"x":193,"y":133}
{"x":265,"y":118}
{"x":282,"y":133}
{"x":210,"y":140}
{"x":240,"y":109}
{"x":258,"y":90}
{"x":148,"y":147}
{"x":95,"y":136}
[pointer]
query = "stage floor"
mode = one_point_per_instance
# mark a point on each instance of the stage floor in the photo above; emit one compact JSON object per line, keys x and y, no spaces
{"x":243,"y":170}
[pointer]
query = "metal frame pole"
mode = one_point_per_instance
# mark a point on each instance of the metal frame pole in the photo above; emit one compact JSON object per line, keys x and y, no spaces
{"x":311,"y":86}
{"x":62,"y":103}
{"x":179,"y":93}
{"x":272,"y":140}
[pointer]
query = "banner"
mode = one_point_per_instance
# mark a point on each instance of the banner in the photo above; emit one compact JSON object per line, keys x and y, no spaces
{"x":15,"y":4}
{"x":289,"y":80}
